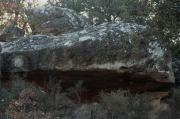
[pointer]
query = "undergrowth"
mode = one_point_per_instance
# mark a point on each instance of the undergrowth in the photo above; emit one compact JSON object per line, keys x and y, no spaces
{"x":23,"y":100}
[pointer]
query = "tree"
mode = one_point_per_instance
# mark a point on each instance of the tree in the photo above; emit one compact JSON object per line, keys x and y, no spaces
{"x":100,"y":11}
{"x":167,"y":19}
{"x":12,"y":13}
{"x":162,"y":15}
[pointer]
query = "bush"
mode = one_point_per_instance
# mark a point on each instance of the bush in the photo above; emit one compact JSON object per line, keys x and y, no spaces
{"x":116,"y":105}
{"x":124,"y":105}
{"x":10,"y":92}
{"x":7,"y":94}
{"x":23,"y":100}
{"x":34,"y":103}
{"x":173,"y":112}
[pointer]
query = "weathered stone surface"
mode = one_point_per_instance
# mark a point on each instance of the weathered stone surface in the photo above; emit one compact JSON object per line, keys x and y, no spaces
{"x":54,"y":20}
{"x":120,"y":48}
{"x":11,"y":33}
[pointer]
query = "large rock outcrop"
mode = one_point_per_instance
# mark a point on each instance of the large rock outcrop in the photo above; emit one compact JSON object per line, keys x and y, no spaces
{"x":108,"y":51}
{"x":54,"y":20}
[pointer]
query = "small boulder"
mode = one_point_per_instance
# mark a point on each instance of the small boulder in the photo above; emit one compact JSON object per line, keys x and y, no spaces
{"x":54,"y":20}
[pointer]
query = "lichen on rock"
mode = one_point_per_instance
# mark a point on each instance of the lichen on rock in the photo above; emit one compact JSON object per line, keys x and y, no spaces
{"x":120,"y":47}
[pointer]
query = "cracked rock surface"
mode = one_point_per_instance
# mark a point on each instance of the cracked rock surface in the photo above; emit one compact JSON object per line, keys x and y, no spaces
{"x":117,"y":47}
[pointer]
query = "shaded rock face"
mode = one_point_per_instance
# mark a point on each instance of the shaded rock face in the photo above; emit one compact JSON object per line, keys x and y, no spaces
{"x":54,"y":20}
{"x":119,"y":48}
{"x":11,"y":33}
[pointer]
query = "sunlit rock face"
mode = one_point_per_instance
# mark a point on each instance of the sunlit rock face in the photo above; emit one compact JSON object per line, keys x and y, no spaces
{"x":54,"y":20}
{"x":122,"y":49}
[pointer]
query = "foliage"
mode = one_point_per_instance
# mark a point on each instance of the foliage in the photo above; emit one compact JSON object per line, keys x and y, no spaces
{"x":30,"y":102}
{"x":10,"y":11}
{"x":26,"y":101}
{"x":162,"y":15}
{"x":8,"y":94}
{"x":100,"y":11}
{"x":166,"y":22}
{"x":173,"y":112}
{"x":166,"y":19}
{"x":124,"y":105}
{"x":175,"y":47}
{"x":34,"y":103}
{"x":12,"y":14}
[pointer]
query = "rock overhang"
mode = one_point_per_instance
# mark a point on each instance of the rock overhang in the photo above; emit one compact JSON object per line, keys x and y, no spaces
{"x":118,"y":47}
